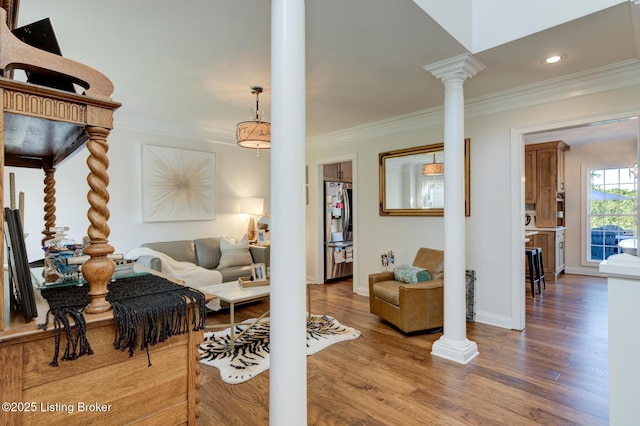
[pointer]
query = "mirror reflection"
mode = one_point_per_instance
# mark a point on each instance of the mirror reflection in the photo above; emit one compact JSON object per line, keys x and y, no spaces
{"x":411,"y":185}
{"x":412,"y":181}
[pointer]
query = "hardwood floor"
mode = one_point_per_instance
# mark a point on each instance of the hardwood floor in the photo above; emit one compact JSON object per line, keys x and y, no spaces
{"x":553,"y":372}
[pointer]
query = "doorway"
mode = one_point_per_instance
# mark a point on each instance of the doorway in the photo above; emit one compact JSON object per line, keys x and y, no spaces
{"x":337,"y":221}
{"x":575,"y":133}
{"x":331,"y":223}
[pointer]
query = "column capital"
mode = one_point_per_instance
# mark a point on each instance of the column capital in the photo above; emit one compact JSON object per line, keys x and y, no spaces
{"x":462,"y":66}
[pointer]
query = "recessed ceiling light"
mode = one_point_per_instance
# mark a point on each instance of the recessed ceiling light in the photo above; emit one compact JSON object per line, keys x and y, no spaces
{"x":553,"y":59}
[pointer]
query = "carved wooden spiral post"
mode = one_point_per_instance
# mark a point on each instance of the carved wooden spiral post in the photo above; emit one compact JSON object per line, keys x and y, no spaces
{"x":49,"y":203}
{"x":99,"y":269}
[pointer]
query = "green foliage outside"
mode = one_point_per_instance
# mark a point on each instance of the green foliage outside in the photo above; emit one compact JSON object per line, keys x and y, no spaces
{"x":621,"y":213}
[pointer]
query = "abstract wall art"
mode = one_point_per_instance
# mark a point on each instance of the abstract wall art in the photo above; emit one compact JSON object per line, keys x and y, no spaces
{"x":178,"y":184}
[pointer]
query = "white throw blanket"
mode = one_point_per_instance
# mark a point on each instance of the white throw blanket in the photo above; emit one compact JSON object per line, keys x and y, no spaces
{"x":193,"y":275}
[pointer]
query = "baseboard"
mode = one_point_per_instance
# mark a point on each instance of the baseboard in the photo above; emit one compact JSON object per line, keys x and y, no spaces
{"x":494,"y":320}
{"x":584,"y":270}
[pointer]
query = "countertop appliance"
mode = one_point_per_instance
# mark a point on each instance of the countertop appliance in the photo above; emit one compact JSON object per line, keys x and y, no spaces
{"x":338,"y":227}
{"x":529,"y":218}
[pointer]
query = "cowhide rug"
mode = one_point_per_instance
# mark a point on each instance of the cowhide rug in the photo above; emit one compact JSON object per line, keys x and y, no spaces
{"x":250,"y":355}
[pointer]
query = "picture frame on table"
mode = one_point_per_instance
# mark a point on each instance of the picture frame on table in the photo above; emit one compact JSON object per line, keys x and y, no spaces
{"x":259,"y":272}
{"x":262,"y":237}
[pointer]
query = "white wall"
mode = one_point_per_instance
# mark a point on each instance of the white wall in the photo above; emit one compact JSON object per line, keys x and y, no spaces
{"x":239,"y":173}
{"x":495,"y":229}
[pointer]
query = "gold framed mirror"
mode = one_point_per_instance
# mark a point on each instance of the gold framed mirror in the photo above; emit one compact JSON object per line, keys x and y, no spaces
{"x":412,"y":181}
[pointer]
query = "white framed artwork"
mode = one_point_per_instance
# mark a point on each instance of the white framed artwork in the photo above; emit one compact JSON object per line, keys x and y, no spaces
{"x":178,"y":184}
{"x":258,"y":272}
{"x":262,"y":237}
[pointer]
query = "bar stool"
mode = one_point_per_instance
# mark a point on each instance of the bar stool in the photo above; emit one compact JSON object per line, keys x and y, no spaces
{"x":533,"y":260}
{"x":540,"y":265}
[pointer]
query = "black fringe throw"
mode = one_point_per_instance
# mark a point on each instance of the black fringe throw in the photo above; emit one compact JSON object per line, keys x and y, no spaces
{"x":147,"y":310}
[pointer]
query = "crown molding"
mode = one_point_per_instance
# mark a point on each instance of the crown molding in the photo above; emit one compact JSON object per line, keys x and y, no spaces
{"x":416,"y":120}
{"x":598,"y":80}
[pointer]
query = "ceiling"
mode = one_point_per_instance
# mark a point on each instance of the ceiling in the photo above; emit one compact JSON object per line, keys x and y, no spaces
{"x":187,"y":70}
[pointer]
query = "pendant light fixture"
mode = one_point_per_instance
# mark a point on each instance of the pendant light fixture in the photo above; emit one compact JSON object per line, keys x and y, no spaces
{"x":432,"y":169}
{"x":255,"y":134}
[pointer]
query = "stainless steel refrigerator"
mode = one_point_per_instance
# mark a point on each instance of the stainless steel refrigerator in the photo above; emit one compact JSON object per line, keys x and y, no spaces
{"x":338,"y":231}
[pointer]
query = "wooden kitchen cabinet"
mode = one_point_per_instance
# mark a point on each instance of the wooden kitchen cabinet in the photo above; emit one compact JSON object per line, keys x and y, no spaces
{"x":530,"y":177}
{"x":547,"y":182}
{"x":339,"y":172}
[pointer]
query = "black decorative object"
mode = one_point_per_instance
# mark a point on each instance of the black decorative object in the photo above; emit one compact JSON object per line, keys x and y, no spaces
{"x":21,"y":287}
{"x":146,"y":310}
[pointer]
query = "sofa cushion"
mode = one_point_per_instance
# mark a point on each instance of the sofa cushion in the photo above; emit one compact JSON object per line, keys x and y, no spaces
{"x":182,"y":251}
{"x":208,"y":252}
{"x":233,"y":273}
{"x":234,"y":253}
{"x":410,"y":274}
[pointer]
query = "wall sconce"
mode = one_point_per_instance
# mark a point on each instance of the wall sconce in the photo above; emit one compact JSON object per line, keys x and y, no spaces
{"x":252,"y":207}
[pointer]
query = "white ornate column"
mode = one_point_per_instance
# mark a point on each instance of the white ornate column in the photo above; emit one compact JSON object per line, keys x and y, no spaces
{"x":288,"y":370}
{"x":453,"y":344}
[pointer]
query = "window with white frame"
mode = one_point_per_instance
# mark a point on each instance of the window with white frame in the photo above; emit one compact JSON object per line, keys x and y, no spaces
{"x":611,"y":210}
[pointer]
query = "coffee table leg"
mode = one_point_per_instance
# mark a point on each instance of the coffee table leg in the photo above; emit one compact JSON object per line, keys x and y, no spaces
{"x":233,"y":324}
{"x":308,"y":301}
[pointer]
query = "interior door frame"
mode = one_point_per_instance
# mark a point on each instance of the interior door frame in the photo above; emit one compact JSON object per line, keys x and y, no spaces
{"x":319,"y":216}
{"x":518,"y":289}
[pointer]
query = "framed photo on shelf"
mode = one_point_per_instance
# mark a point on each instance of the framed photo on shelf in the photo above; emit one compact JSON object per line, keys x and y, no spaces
{"x":258,"y":272}
{"x":262,"y":237}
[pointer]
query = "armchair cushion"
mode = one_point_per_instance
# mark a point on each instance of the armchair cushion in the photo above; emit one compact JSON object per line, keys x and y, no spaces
{"x":234,"y":253}
{"x":432,"y":260}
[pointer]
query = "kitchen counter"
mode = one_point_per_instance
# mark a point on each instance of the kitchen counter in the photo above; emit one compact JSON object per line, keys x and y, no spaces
{"x":629,"y":246}
{"x":528,"y":233}
{"x":557,"y":228}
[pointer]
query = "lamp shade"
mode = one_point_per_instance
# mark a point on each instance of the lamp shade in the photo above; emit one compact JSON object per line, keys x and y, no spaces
{"x":433,"y":169}
{"x":254,"y":134}
{"x":252,"y":205}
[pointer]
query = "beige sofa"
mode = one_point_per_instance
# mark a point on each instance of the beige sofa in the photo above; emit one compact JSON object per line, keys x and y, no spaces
{"x":232,"y":260}
{"x":411,"y":307}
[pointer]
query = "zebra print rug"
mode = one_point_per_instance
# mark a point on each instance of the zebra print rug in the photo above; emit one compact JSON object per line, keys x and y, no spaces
{"x":250,"y":355}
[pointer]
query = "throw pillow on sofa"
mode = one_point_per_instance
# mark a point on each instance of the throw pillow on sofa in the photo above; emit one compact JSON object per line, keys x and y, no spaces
{"x":411,"y":274}
{"x":234,"y":253}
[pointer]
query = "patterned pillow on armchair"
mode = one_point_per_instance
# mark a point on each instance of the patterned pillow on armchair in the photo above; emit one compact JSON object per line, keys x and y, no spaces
{"x":411,"y":274}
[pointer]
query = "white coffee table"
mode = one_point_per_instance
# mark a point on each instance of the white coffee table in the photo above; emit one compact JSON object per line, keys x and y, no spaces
{"x":232,"y":293}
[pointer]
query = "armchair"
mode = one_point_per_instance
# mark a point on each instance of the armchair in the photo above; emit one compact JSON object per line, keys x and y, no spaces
{"x":411,"y":307}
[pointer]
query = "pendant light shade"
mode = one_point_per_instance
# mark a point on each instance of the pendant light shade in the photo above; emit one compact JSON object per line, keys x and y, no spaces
{"x":431,"y":169}
{"x":254,"y":134}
